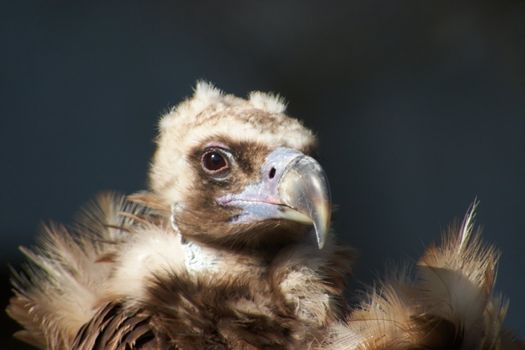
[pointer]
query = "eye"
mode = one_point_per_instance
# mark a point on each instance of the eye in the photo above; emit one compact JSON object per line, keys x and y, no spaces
{"x":214,"y":162}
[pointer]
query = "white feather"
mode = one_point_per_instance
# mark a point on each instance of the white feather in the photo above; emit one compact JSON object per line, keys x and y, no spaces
{"x":267,"y":102}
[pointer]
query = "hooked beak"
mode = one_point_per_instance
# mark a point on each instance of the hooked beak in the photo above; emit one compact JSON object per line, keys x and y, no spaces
{"x":293,"y":186}
{"x":305,"y":192}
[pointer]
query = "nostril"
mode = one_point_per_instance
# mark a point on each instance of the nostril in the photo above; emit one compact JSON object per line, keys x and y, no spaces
{"x":271,"y":175}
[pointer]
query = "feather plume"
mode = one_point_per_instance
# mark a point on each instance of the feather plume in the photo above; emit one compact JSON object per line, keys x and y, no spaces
{"x":447,"y":304}
{"x":58,"y":289}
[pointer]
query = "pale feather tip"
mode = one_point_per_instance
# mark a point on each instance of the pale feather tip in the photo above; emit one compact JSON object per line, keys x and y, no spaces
{"x":467,"y":225}
{"x":271,"y":103}
{"x":206,"y":91}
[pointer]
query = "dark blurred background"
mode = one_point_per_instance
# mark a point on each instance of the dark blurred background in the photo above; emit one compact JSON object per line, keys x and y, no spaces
{"x":419,"y":106}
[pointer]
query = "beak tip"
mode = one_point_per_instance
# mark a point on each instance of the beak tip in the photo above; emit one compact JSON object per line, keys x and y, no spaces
{"x":321,"y":235}
{"x":303,"y":187}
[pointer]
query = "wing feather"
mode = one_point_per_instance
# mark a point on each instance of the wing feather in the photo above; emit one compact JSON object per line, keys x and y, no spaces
{"x":115,"y":328}
{"x":58,"y":289}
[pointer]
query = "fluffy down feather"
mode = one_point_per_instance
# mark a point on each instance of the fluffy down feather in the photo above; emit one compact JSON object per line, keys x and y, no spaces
{"x":64,"y":297}
{"x":72,"y":294}
{"x":59,"y":287}
{"x":447,"y":304}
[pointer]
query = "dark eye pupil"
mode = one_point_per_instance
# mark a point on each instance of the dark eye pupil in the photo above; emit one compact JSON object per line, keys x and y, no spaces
{"x":214,"y":161}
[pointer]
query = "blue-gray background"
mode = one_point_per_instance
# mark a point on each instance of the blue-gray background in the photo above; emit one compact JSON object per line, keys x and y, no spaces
{"x":419,"y":107}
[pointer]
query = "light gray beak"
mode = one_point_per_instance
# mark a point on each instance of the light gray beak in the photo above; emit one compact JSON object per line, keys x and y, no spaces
{"x":293,"y":186}
{"x":305,"y":192}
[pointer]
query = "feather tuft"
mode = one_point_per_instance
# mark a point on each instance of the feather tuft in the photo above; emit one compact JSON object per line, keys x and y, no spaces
{"x":57,"y":290}
{"x":267,"y":102}
{"x":447,"y":303}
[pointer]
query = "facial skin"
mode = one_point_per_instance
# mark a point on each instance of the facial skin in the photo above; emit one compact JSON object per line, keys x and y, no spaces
{"x":247,"y":194}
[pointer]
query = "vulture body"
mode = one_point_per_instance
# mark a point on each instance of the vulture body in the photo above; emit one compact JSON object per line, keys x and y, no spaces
{"x":229,"y":249}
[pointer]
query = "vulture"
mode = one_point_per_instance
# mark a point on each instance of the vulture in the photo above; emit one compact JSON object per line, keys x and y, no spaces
{"x":230,"y":248}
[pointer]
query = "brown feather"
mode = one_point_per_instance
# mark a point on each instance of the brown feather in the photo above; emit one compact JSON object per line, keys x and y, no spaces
{"x":114,"y":328}
{"x":58,"y":289}
{"x":448,"y":305}
{"x":278,"y":309}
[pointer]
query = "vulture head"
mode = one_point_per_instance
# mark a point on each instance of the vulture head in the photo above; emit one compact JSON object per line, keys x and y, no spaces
{"x":238,"y":172}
